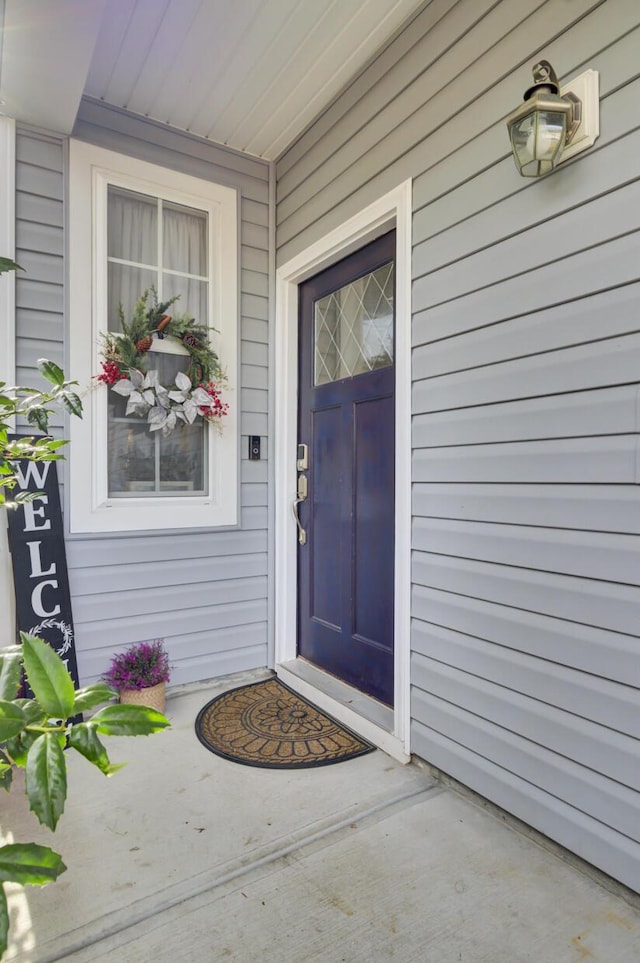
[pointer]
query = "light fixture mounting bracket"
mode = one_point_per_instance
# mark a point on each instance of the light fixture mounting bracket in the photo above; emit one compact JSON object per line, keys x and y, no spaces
{"x":585,"y":89}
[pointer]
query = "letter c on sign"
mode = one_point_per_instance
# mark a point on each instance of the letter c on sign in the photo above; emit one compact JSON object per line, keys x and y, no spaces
{"x":36,"y":599}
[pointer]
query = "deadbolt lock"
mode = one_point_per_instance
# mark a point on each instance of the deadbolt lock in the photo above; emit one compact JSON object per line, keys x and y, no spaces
{"x":303,"y":458}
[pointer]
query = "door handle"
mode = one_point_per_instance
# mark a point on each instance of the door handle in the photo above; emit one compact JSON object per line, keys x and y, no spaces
{"x":300,"y":497}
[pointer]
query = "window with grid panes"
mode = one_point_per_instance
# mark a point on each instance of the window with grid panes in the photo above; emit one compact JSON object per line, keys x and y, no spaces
{"x":153,"y":243}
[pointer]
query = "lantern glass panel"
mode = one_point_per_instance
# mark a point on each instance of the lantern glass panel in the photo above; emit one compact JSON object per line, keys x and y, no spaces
{"x":537,"y":140}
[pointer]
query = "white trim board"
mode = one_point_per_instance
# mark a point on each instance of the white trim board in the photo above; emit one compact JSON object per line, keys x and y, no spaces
{"x":7,"y":342}
{"x":391,"y":210}
{"x":7,"y":248}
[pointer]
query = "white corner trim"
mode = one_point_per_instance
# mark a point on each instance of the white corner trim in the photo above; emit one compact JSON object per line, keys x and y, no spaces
{"x":393,"y":209}
{"x":7,"y":249}
{"x":7,"y":341}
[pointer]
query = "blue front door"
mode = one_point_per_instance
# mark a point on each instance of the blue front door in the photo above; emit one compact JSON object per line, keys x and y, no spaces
{"x":346,"y":421}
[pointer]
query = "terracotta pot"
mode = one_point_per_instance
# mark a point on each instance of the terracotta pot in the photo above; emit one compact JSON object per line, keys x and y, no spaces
{"x":154,"y":697}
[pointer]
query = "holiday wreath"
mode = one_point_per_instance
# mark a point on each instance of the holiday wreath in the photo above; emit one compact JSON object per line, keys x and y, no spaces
{"x":126,"y":367}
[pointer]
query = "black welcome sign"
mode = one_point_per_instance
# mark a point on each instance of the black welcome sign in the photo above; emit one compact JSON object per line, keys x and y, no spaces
{"x":36,"y":542}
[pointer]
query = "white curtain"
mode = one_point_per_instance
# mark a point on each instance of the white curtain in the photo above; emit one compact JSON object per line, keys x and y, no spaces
{"x":133,"y":236}
{"x":185,"y":250}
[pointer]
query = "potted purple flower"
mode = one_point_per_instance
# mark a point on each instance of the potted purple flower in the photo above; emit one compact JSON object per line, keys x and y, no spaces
{"x":140,"y":674}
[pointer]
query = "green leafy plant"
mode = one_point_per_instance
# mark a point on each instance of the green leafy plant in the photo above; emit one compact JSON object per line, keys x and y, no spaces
{"x":6,"y":264}
{"x":35,"y":407}
{"x":34,"y":733}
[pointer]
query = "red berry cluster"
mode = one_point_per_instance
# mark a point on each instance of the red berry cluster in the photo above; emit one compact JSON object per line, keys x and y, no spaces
{"x":217,"y":408}
{"x":110,"y":373}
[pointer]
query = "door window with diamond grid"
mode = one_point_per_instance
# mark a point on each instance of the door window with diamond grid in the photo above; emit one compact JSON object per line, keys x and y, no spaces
{"x":354,"y":327}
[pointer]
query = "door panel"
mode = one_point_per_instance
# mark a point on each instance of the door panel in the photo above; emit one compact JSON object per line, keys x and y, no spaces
{"x":326,"y":603}
{"x":373,"y":523}
{"x":346,"y":417}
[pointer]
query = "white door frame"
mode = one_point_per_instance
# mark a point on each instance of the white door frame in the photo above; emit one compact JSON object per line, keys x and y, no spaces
{"x":391,"y":210}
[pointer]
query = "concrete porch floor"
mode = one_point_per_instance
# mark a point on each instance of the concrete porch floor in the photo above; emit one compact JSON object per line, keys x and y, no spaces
{"x":185,"y":856}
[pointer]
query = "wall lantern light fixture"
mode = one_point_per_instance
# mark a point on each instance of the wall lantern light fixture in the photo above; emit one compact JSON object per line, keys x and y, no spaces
{"x":552,"y":123}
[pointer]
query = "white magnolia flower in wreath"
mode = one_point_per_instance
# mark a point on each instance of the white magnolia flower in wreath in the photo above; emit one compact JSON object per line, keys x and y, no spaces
{"x":164,"y":407}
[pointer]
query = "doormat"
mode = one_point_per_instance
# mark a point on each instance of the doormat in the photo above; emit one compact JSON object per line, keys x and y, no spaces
{"x":266,"y":724}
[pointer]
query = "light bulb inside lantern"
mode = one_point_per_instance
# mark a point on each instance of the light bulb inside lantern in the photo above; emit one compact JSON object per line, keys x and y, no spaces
{"x":545,"y":135}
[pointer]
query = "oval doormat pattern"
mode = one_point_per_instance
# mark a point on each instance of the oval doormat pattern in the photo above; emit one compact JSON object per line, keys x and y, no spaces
{"x":267,"y":724}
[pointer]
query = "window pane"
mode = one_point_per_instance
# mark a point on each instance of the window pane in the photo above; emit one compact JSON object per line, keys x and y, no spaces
{"x":184,"y":239}
{"x":354,"y":327}
{"x":131,"y":458}
{"x":116,"y":405}
{"x":144,"y":463}
{"x":182,"y":460}
{"x":132,"y":226}
{"x":168,"y":364}
{"x":193,"y":295}
{"x":126,"y":284}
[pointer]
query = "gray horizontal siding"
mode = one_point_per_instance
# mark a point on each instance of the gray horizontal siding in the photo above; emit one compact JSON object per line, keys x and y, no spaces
{"x":136,"y":578}
{"x":220,"y":642}
{"x":40,"y":251}
{"x":592,"y":460}
{"x":584,"y":273}
{"x":598,"y":555}
{"x":205,"y":593}
{"x":606,"y":412}
{"x":561,"y":326}
{"x":600,"y":652}
{"x":524,"y":758}
{"x":606,"y":508}
{"x":526,"y":402}
{"x":609,"y":704}
{"x":606,"y":605}
{"x":607,"y":218}
{"x":483,"y":44}
{"x":573,"y":737}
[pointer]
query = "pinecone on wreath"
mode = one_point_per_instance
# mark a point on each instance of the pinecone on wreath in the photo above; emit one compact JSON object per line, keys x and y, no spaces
{"x":191,"y":340}
{"x":144,"y":344}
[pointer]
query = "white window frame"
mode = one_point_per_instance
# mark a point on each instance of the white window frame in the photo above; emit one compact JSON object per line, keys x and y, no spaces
{"x":91,"y":170}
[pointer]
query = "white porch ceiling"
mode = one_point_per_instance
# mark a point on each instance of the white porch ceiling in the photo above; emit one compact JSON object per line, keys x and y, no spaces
{"x":251,"y":74}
